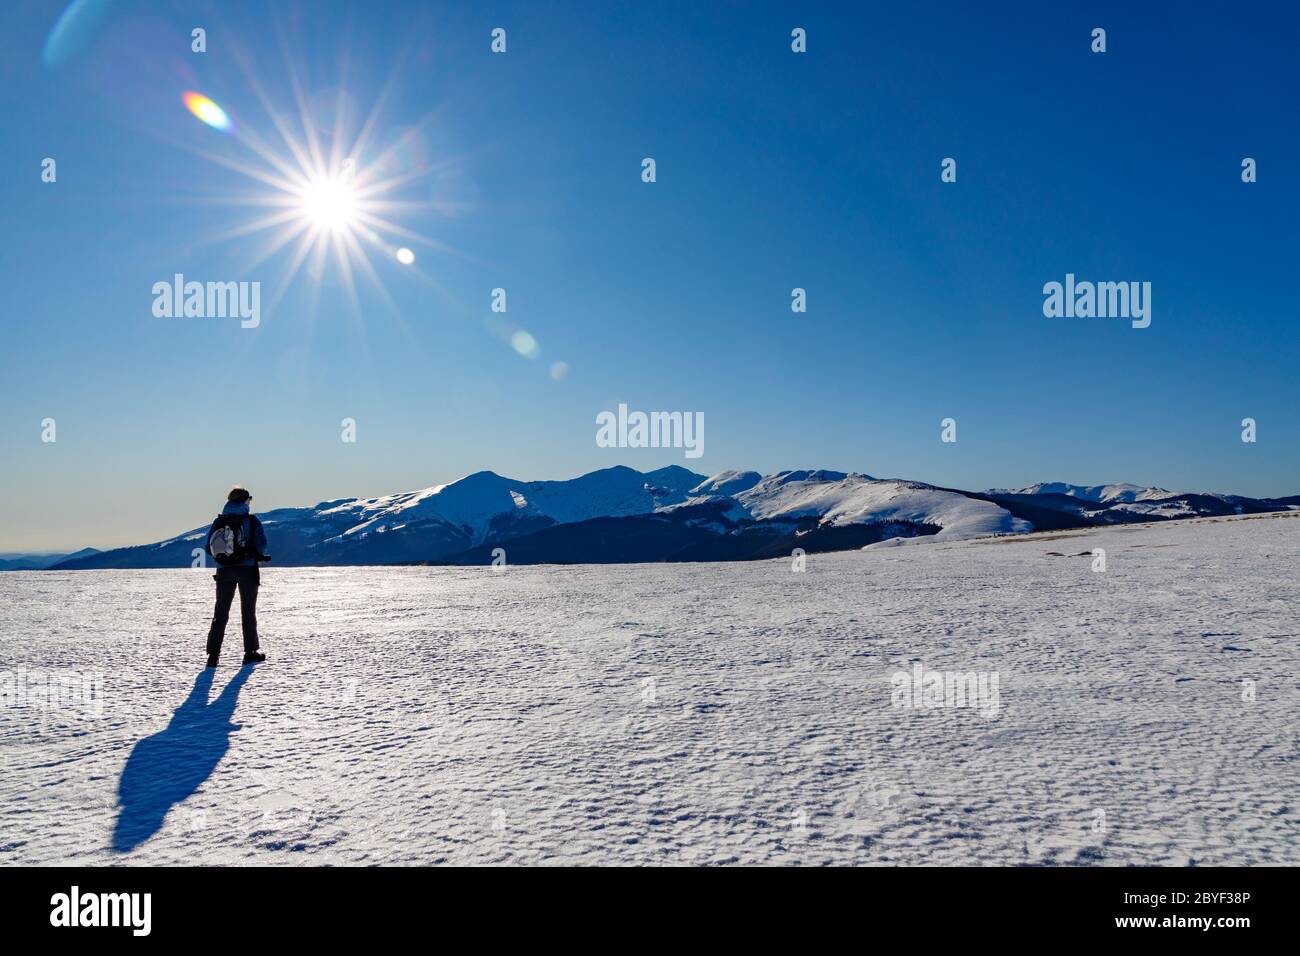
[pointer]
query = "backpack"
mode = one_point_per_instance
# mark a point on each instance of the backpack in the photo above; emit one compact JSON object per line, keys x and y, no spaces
{"x":231,"y":540}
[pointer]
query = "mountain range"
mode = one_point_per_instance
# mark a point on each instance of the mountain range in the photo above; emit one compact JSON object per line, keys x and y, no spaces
{"x":620,"y":515}
{"x":38,"y":561}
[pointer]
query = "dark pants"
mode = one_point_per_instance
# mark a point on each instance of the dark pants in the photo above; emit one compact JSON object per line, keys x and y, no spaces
{"x":246,"y":579}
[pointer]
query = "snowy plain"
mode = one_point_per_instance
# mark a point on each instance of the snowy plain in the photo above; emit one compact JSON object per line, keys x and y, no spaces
{"x":676,"y":714}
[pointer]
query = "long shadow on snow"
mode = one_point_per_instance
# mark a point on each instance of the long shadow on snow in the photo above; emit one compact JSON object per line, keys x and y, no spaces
{"x":169,"y":766}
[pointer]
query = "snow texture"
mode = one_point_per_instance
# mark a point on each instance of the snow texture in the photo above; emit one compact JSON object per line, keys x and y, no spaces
{"x":686,"y":713}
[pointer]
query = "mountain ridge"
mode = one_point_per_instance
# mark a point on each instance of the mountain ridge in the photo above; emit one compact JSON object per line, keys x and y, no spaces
{"x":621,"y":514}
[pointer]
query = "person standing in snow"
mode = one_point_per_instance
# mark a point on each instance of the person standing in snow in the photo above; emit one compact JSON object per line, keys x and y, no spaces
{"x":236,"y":542}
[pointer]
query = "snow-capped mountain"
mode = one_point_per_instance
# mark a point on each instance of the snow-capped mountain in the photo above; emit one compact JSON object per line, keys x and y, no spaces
{"x":672,"y":514}
{"x":839,"y":499}
{"x":742,"y":515}
{"x":1102,"y":494}
{"x":430,"y":523}
{"x":1120,"y":503}
{"x":484,"y":501}
{"x":728,"y":483}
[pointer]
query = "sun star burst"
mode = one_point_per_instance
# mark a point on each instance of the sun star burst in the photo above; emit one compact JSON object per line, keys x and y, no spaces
{"x":321,"y":200}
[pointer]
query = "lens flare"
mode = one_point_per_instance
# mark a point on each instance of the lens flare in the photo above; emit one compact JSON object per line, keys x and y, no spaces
{"x":75,"y":31}
{"x":525,"y":344}
{"x":207,"y":111}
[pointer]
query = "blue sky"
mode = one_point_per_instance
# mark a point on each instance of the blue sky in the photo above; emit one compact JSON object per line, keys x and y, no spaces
{"x":775,"y":170}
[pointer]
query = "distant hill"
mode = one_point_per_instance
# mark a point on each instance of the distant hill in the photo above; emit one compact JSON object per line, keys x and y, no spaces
{"x":39,"y":562}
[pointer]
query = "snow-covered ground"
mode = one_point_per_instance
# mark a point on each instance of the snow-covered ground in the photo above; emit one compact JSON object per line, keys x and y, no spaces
{"x":710,"y":713}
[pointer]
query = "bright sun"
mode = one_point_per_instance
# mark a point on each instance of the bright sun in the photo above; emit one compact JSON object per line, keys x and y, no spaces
{"x":330,"y":203}
{"x":323,"y":203}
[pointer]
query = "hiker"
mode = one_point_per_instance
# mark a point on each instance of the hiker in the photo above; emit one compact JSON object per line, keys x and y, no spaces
{"x":237,"y":543}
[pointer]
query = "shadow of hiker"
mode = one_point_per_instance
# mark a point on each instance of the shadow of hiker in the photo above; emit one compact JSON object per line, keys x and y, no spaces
{"x":169,"y":766}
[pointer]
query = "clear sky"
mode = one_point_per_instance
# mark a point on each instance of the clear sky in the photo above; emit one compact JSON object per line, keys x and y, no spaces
{"x":522,"y":171}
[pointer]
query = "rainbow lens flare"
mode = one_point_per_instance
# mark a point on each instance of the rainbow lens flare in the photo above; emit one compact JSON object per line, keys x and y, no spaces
{"x":207,"y":111}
